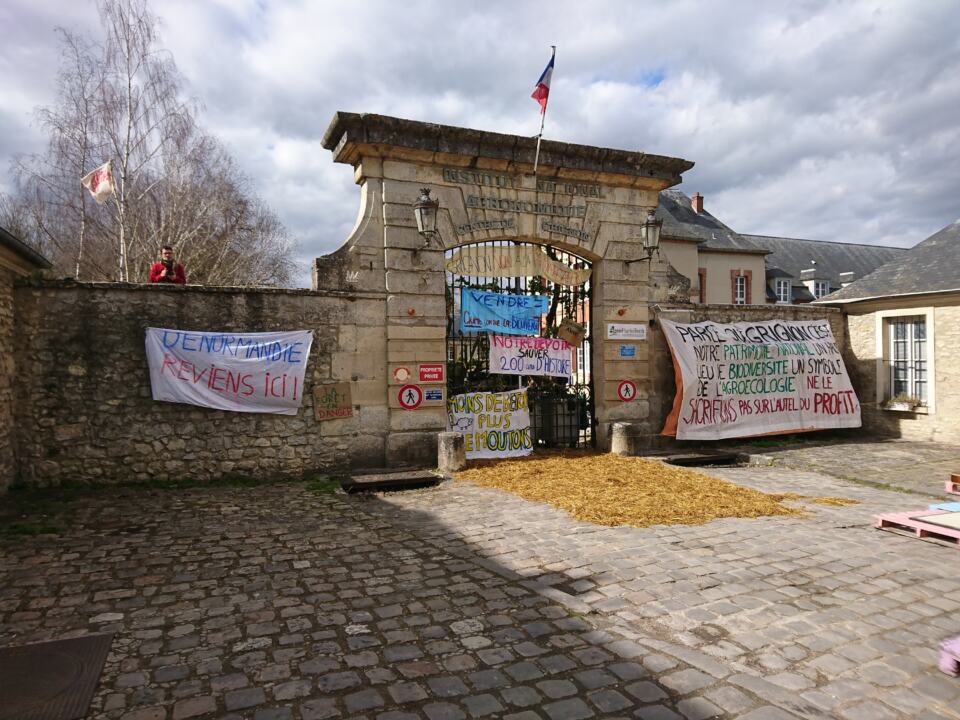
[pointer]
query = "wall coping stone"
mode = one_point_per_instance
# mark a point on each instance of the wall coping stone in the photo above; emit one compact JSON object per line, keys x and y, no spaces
{"x":71,"y":284}
{"x":701,"y":307}
{"x":377,"y":134}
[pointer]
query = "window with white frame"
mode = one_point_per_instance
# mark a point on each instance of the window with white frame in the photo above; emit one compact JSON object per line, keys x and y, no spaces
{"x":783,"y":291}
{"x":820,"y":288}
{"x":740,"y":290}
{"x":908,"y":356}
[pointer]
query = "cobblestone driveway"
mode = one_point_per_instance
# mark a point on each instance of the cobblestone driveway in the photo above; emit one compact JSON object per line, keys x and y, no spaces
{"x":459,"y":602}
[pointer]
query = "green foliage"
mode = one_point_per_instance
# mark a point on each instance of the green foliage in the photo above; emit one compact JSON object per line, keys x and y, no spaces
{"x":322,"y":485}
{"x":25,"y":528}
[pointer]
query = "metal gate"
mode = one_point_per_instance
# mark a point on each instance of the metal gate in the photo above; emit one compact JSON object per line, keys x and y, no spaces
{"x":561,"y":410}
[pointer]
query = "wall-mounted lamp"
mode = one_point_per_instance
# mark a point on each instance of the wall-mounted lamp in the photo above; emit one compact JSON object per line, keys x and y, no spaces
{"x":425,"y":211}
{"x":650,"y":235}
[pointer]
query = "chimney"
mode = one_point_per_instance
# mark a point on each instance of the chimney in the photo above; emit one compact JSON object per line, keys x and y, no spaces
{"x":846,"y":278}
{"x":696,"y":202}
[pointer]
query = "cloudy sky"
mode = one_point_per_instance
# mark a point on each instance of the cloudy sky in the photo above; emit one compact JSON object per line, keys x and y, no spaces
{"x":806,"y":118}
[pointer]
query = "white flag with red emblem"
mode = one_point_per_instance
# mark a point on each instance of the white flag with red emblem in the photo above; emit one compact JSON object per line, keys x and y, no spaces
{"x":100,"y":182}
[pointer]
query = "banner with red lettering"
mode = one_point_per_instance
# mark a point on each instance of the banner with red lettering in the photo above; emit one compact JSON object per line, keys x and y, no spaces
{"x":763,"y":378}
{"x":242,"y":372}
{"x":529,"y":356}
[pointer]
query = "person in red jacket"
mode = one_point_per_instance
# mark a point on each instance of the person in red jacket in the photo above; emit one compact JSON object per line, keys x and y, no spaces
{"x":167,"y":271}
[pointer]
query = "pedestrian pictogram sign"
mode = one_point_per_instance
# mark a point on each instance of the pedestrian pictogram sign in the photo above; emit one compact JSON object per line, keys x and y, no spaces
{"x":627,"y":390}
{"x":410,"y":397}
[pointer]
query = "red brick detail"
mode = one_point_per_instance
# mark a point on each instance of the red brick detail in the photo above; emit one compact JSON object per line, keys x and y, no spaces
{"x":702,"y":276}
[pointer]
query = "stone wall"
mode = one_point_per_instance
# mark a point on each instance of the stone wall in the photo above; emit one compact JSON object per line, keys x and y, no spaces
{"x":7,"y":459}
{"x":84,"y":411}
{"x":940,"y":421}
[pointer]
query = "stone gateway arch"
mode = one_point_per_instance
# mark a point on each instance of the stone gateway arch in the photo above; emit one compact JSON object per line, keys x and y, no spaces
{"x":583,"y":211}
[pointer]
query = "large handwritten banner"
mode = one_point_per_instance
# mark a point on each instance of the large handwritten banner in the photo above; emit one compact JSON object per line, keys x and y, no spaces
{"x":493,"y":425}
{"x":513,"y":261}
{"x":501,"y":312}
{"x":529,"y":356}
{"x":243,"y":372}
{"x":758,"y":378}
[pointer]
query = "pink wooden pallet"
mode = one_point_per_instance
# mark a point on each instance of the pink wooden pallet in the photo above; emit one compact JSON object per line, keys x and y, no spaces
{"x":950,"y":656}
{"x":953,"y":484}
{"x":904,"y":523}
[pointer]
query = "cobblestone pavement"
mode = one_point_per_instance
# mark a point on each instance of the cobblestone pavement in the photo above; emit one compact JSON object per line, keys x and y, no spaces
{"x":920,"y":467}
{"x":463,"y":602}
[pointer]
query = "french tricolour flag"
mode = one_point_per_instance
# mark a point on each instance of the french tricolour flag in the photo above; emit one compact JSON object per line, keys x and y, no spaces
{"x":542,"y":91}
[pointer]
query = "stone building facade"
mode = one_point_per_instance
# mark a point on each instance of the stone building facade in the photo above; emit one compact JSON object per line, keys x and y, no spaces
{"x":16,"y":261}
{"x":868,"y":359}
{"x":903,"y":321}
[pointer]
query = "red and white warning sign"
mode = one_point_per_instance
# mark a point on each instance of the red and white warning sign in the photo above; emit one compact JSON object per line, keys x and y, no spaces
{"x":410,"y":397}
{"x":401,"y":374}
{"x":431,"y":372}
{"x":627,"y":390}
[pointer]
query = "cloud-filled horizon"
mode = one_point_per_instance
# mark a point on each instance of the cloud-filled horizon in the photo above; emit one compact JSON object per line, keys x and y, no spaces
{"x":815,"y":119}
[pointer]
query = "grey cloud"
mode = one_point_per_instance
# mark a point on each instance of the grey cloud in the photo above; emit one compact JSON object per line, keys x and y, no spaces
{"x":813,"y":119}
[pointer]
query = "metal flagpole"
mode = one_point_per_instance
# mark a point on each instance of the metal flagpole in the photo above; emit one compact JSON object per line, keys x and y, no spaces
{"x":536,"y":158}
{"x":124,"y":276}
{"x":543,"y":114}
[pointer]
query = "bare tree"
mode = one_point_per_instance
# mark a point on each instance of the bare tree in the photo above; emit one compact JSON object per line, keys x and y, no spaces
{"x":123,"y":100}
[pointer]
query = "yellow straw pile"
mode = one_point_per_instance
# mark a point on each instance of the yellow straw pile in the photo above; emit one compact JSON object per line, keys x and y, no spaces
{"x":612,"y":490}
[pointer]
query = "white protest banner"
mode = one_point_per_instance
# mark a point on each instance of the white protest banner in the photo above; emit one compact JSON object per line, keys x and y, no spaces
{"x":510,"y":355}
{"x":493,"y":425}
{"x":513,"y":261}
{"x":760,"y":378}
{"x":243,"y":372}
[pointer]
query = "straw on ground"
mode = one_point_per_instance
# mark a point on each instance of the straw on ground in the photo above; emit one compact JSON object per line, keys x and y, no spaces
{"x":612,"y":490}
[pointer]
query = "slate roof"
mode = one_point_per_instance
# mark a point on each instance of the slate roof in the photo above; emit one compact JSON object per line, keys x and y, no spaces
{"x":930,"y":267}
{"x":791,"y":255}
{"x":11,"y":242}
{"x":680,"y":221}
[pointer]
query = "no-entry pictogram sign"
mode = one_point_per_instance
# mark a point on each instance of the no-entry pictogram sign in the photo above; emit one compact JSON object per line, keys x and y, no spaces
{"x":627,"y":390}
{"x":410,"y":397}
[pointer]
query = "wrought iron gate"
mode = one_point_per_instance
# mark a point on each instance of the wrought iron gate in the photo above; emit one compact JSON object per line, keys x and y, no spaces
{"x":561,"y":410}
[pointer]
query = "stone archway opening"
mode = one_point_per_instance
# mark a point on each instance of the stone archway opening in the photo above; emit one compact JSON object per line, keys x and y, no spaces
{"x":562,"y":409}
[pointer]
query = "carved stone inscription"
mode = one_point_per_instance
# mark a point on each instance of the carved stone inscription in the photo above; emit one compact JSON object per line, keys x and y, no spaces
{"x":506,"y":224}
{"x":539,"y":208}
{"x":473,"y":177}
{"x":548,"y":226}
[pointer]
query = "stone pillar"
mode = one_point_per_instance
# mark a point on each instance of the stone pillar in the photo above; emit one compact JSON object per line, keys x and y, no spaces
{"x":633,"y":439}
{"x":451,"y":452}
{"x":416,"y":320}
{"x":623,"y":439}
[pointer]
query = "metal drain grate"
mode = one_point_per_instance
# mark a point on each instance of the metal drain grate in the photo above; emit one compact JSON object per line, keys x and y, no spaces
{"x":51,"y":680}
